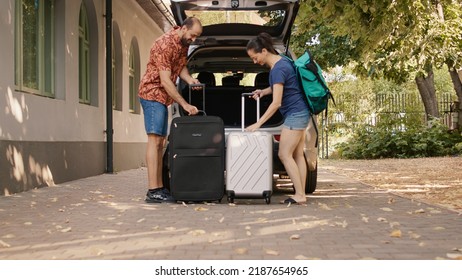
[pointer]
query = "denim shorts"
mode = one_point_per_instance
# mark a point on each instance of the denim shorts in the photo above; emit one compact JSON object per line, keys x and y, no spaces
{"x":297,"y":121}
{"x":155,"y":117}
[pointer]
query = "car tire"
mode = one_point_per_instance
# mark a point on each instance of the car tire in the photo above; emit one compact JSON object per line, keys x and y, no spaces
{"x":311,"y":179}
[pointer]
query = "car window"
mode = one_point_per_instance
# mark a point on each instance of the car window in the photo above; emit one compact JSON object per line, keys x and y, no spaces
{"x":248,"y":79}
{"x":254,"y":17}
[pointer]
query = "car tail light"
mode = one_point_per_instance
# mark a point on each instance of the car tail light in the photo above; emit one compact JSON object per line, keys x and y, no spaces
{"x":277,"y":137}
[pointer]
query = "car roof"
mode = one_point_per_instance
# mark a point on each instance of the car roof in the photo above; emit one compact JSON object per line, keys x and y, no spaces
{"x":238,"y":20}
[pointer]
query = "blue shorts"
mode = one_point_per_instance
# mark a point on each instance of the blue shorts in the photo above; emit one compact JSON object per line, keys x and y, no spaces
{"x":155,"y":117}
{"x":297,"y":121}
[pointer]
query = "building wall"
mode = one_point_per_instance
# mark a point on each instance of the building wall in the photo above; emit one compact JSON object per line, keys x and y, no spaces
{"x":46,"y":141}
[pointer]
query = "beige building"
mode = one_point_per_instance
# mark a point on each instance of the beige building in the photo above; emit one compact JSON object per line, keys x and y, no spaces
{"x":54,"y":84}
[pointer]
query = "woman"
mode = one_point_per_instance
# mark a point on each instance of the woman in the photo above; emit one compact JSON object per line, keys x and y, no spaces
{"x":289,"y":100}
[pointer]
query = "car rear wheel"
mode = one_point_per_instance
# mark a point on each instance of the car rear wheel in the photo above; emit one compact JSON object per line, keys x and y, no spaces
{"x":311,"y":179}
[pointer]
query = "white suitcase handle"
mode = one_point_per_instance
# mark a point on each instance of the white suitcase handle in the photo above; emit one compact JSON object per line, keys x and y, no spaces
{"x":243,"y":108}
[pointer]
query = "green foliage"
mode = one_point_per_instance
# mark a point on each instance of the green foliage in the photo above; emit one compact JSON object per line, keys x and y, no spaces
{"x":384,"y":119}
{"x":393,"y":39}
{"x":373,"y":142}
{"x":321,"y":42}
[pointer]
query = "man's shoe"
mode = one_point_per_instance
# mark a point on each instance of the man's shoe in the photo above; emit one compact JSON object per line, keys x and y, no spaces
{"x":160,"y":195}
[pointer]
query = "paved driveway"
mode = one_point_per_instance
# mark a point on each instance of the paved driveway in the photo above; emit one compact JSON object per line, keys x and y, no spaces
{"x":105,"y":217}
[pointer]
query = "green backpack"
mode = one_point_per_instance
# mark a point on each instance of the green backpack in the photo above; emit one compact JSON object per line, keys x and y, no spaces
{"x":312,"y":82}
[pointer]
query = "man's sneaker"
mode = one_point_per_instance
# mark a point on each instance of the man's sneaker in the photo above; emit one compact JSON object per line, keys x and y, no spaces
{"x":159,"y":196}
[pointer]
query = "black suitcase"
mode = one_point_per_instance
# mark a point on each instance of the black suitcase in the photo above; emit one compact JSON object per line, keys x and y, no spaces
{"x":197,"y":158}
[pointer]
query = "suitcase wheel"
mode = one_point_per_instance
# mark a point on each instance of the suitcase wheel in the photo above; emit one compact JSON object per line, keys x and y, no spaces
{"x":267,"y":196}
{"x":230,"y":195}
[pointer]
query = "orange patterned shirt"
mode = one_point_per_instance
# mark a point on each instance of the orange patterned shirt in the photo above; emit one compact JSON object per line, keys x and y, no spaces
{"x":167,"y":54}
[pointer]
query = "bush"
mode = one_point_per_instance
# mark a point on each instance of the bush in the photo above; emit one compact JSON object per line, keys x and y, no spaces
{"x":395,"y":141}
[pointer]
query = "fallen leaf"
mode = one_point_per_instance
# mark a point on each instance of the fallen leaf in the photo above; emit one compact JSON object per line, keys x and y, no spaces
{"x":324,"y":206}
{"x":382,"y":220}
{"x":221,"y":220}
{"x":9,"y":236}
{"x":4,"y":244}
{"x":197,"y":232}
{"x":66,"y":229}
{"x":365,"y":219}
{"x":201,"y":209}
{"x":343,"y":224}
{"x":241,"y":251}
{"x":420,"y":211}
{"x":141,"y":220}
{"x":414,"y":235}
{"x":439,"y":228}
{"x":457,"y":249}
{"x":184,"y":204}
{"x":232,"y":204}
{"x":97,"y":251}
{"x":262,"y":220}
{"x":454,"y":256}
{"x":301,"y":257}
{"x":394,"y":224}
{"x":386,"y":209}
{"x":271,"y":252}
{"x":396,"y":233}
{"x":391,"y":200}
{"x":170,"y":228}
{"x":248,"y":233}
{"x":109,"y":230}
{"x":294,"y":237}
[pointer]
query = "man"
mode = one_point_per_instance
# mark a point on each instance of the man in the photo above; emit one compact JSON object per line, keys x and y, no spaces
{"x":167,"y":62}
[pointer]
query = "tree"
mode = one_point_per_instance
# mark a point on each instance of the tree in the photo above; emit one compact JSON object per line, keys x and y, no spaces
{"x":394,"y":39}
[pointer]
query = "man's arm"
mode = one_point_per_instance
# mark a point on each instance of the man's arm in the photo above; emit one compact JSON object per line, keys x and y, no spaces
{"x":171,"y":90}
{"x":185,"y":76}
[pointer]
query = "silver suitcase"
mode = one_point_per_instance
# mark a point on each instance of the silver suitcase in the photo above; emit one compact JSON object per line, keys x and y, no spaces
{"x":249,"y":162}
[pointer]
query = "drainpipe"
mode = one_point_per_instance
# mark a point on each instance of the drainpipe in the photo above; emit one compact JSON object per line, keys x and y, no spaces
{"x":109,"y":126}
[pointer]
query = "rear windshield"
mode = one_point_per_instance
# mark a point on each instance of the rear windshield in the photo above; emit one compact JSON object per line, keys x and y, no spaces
{"x":245,"y":79}
{"x":254,"y":17}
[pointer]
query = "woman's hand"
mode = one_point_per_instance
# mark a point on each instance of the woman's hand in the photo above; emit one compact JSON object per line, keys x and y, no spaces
{"x":258,"y":93}
{"x":253,"y":127}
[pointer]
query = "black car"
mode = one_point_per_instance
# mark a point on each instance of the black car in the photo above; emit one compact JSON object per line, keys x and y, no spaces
{"x":218,"y":58}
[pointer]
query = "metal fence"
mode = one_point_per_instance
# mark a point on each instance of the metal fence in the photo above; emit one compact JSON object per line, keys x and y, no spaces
{"x":388,"y":106}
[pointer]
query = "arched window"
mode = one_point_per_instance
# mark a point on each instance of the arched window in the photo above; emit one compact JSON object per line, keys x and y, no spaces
{"x":131,"y":80}
{"x":134,"y":77}
{"x":84,"y":57}
{"x":34,"y":46}
{"x":117,"y":66}
{"x":113,"y":73}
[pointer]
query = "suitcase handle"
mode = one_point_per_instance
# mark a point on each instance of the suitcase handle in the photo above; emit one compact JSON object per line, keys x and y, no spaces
{"x":191,"y":86}
{"x":243,"y":95}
